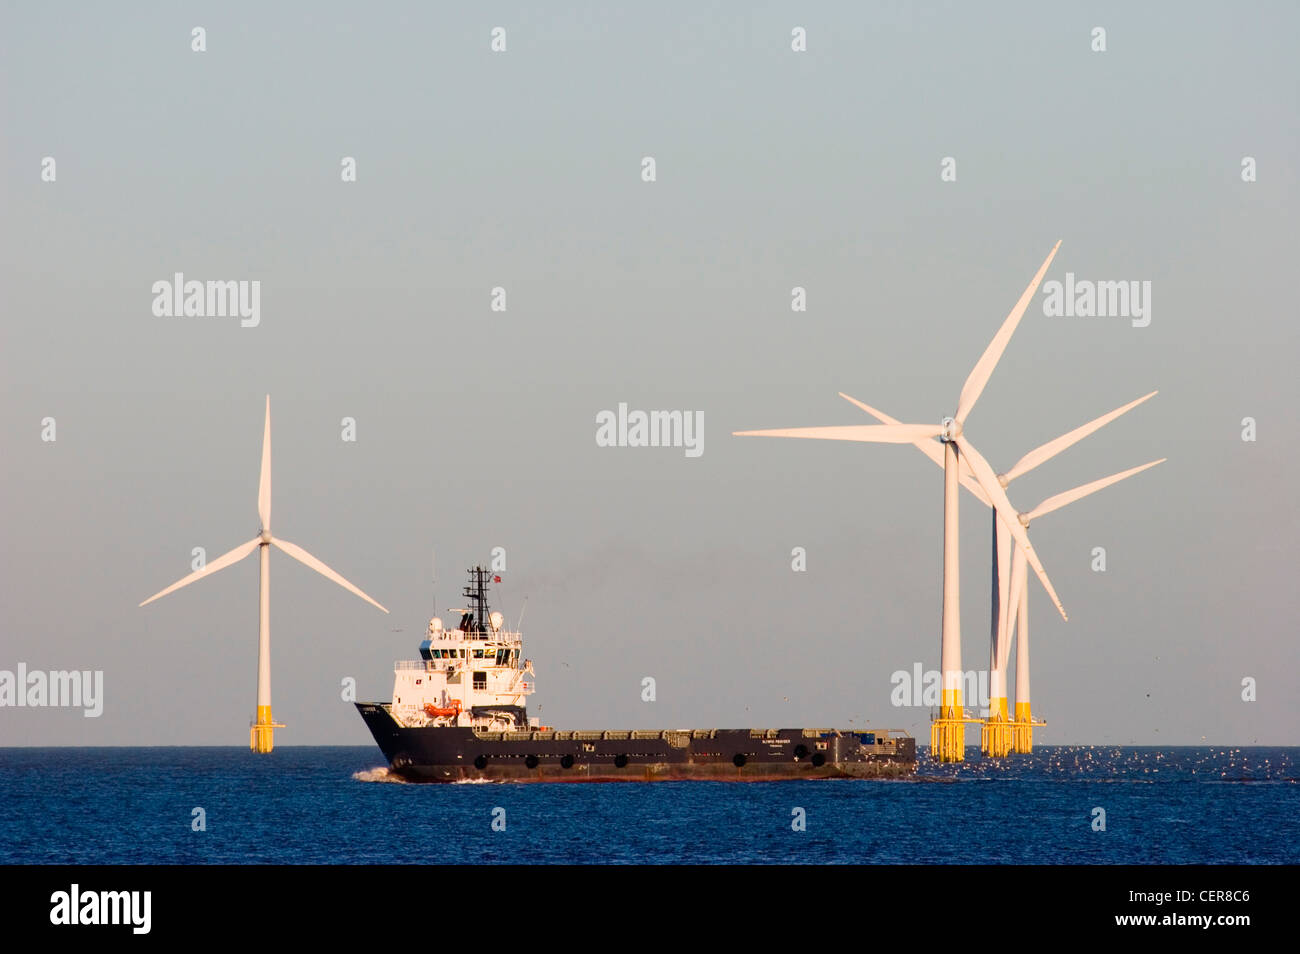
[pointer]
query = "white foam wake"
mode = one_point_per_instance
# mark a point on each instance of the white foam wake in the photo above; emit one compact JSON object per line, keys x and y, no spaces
{"x":380,"y":774}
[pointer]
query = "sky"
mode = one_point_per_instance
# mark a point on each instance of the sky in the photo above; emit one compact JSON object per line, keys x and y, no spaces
{"x":822,"y":169}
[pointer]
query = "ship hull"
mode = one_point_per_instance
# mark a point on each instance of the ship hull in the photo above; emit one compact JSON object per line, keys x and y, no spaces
{"x":450,"y":754}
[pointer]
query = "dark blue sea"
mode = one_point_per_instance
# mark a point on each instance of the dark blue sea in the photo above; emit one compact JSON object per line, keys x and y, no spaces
{"x":1201,"y":805}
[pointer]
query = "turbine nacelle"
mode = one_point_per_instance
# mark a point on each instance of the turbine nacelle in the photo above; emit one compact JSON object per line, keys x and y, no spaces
{"x":951,"y":429}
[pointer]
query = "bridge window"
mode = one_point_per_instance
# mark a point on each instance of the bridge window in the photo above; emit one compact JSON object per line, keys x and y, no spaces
{"x":480,"y":680}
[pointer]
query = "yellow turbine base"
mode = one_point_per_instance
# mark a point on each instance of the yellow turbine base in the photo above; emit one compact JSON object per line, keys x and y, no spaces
{"x":261,"y":734}
{"x":996,"y":734}
{"x":1022,"y":729}
{"x":948,"y":732}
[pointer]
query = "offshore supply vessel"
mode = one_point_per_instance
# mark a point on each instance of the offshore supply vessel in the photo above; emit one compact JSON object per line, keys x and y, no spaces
{"x":459,"y":713}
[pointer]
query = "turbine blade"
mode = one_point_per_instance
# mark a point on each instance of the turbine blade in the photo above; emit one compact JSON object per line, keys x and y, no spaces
{"x":880,"y":416}
{"x":931,"y":450}
{"x":264,"y":485}
{"x":989,"y":481}
{"x":1052,"y":448}
{"x":220,"y":563}
{"x":872,"y":433}
{"x":302,"y":556}
{"x":983,"y":369}
{"x":1078,"y":493}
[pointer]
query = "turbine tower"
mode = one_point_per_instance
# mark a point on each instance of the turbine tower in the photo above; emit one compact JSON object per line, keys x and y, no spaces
{"x":262,"y":729}
{"x":947,"y":733}
{"x":996,"y":737}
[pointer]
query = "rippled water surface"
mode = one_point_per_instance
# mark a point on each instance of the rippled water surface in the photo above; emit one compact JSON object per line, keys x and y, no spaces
{"x":338,"y":805}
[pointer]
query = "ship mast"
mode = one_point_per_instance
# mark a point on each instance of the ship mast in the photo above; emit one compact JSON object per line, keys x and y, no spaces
{"x":476,"y":593}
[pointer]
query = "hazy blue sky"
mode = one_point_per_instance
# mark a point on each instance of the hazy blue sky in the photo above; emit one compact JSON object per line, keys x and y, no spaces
{"x":476,"y":429}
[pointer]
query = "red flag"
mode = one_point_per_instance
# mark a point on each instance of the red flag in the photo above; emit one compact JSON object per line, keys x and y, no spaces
{"x":496,"y":579}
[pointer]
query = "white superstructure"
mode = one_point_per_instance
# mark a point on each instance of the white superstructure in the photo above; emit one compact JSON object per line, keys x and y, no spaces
{"x":473,"y":675}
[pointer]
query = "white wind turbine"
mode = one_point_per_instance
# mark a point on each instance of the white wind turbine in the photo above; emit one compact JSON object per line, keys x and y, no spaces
{"x":948,"y":731}
{"x":260,"y":736}
{"x":1022,"y":729}
{"x":997,"y":741}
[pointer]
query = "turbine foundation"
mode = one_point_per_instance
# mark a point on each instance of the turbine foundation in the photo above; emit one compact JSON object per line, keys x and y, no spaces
{"x":261,"y":734}
{"x":996,"y":733}
{"x":948,"y":732}
{"x":1022,"y":730}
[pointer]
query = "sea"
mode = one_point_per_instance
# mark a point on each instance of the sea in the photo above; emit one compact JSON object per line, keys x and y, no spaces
{"x":327,"y":805}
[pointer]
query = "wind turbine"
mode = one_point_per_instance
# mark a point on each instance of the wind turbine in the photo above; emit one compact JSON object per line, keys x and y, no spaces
{"x":997,"y":736}
{"x":947,"y":734}
{"x":261,"y":731}
{"x":1022,"y":729}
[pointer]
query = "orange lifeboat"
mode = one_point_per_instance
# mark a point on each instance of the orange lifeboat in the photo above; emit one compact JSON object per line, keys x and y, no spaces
{"x":434,"y":712}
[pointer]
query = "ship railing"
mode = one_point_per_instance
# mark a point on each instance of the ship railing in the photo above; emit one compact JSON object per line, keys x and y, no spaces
{"x":675,"y":736}
{"x":438,"y":665}
{"x":883,"y":736}
{"x":458,"y":635}
{"x":880,"y":736}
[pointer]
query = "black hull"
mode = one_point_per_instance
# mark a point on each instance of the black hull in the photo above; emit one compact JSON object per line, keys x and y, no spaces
{"x":458,"y":754}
